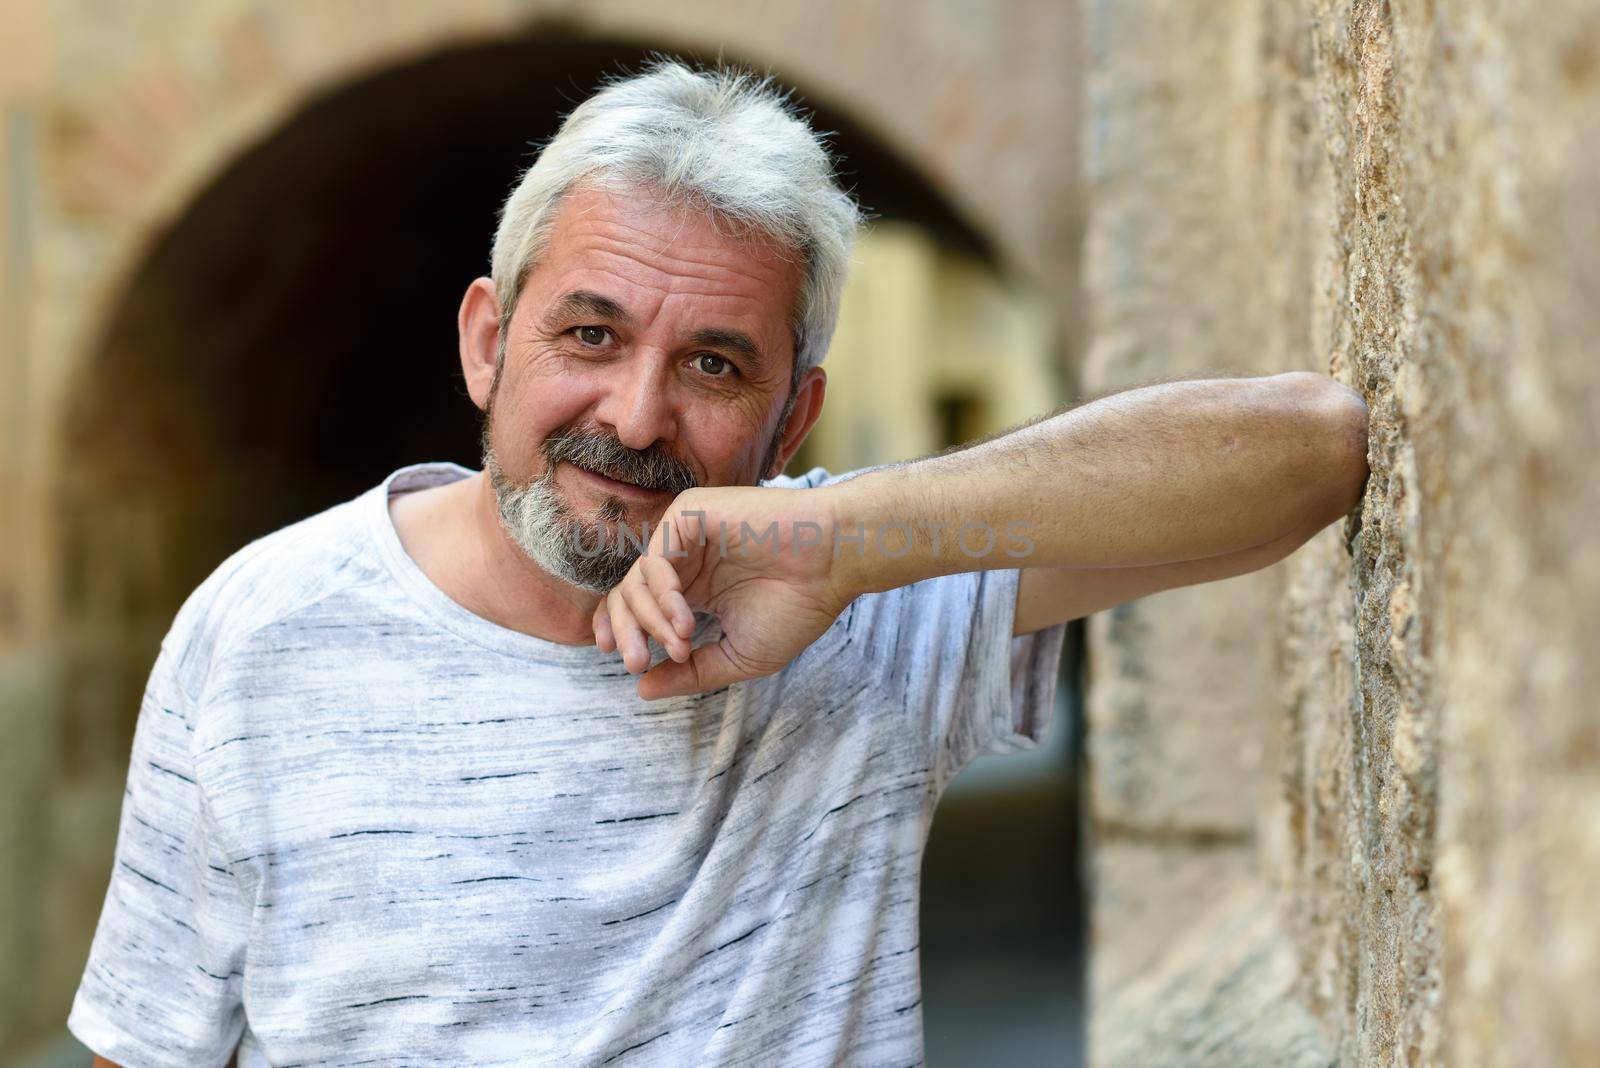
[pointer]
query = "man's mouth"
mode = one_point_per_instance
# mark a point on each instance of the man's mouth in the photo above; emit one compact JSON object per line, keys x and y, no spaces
{"x":617,"y":486}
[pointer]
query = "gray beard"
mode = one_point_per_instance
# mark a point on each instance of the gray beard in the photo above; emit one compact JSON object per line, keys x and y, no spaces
{"x":544,"y":527}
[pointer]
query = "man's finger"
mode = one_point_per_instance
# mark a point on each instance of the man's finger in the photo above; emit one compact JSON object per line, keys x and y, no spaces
{"x":667,"y":586}
{"x":708,"y":668}
{"x":635,"y":653}
{"x":604,"y":639}
{"x":649,"y":616}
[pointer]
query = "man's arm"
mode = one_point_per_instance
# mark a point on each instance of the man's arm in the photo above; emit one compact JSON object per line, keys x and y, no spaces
{"x":1047,"y":596}
{"x":1144,"y":490}
{"x":149,"y":998}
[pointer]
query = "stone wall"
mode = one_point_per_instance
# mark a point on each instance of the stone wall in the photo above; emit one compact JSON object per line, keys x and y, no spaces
{"x":1386,"y":745}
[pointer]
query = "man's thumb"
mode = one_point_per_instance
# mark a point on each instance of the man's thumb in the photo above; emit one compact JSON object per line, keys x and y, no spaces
{"x":708,"y":668}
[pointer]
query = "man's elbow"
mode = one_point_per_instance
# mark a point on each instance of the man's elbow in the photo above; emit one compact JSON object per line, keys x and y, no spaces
{"x":1340,"y":418}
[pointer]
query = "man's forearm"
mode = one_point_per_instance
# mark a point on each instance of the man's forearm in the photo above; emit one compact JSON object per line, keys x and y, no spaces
{"x":1165,"y":473}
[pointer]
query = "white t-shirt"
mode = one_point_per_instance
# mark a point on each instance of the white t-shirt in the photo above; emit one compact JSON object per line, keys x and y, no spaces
{"x":365,"y":826}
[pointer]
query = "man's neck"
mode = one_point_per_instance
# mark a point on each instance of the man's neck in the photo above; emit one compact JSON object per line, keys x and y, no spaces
{"x":453,"y":533}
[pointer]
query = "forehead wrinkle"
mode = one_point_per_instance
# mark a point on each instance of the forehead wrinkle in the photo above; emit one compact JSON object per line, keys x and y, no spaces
{"x":698,"y":272}
{"x":633,"y":234}
{"x":765,"y":251}
{"x":682,"y":219}
{"x":632,"y":251}
{"x":621,"y":207}
{"x":690,"y":250}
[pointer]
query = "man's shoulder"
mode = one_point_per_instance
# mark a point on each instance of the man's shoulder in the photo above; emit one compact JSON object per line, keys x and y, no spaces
{"x":816,"y":477}
{"x":266,"y":580}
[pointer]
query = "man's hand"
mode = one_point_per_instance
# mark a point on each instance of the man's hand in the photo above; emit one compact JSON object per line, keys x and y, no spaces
{"x":760,"y":559}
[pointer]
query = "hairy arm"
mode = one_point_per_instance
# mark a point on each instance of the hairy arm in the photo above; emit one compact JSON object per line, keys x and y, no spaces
{"x":1147,"y":489}
{"x":1046,"y":596}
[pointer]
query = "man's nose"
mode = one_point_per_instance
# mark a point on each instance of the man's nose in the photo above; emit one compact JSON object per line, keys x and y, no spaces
{"x":637,"y":405}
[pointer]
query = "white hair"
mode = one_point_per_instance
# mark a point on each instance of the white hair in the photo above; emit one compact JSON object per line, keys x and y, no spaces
{"x":720,"y":140}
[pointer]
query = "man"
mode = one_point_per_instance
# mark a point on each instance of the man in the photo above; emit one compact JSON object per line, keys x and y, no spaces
{"x":410,"y":783}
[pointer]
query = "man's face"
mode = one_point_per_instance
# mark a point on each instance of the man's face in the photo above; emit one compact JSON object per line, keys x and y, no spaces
{"x":647,"y":354}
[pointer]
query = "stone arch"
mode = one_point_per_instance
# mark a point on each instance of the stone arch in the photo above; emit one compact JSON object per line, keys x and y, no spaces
{"x":131,"y":157}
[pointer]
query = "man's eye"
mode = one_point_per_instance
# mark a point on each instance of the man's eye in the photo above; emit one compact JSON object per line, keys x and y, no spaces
{"x":592,"y":335}
{"x":713,"y":365}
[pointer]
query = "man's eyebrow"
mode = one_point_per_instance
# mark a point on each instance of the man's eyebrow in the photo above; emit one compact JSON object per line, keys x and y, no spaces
{"x":736,"y":341}
{"x":583,"y":303}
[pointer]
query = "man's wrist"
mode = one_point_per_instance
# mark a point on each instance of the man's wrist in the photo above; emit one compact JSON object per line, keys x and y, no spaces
{"x":887,"y":534}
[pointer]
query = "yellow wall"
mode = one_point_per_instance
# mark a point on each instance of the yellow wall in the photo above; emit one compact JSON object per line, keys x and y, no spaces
{"x":920,"y":325}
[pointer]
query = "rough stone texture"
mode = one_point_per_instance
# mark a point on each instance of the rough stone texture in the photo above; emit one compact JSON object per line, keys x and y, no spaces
{"x":1479,"y":204}
{"x":1406,"y":196}
{"x":1221,"y":996}
{"x":1151,"y":891}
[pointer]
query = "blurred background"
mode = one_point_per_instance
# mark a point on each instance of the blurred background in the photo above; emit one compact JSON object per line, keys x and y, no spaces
{"x":1342,"y":810}
{"x":235,"y":238}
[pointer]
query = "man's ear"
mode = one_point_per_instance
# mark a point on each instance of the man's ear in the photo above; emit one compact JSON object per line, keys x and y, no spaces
{"x":802,"y":417}
{"x":478,"y":324}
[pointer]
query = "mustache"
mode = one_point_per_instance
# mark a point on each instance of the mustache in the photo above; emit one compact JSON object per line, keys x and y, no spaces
{"x":603,"y":454}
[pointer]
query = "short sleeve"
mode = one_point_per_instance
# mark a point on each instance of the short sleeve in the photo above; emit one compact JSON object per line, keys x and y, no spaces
{"x":165,"y":972}
{"x":944,"y":649}
{"x":970,"y":687}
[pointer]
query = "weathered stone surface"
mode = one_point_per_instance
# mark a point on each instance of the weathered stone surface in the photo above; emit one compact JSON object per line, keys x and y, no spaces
{"x":1499,"y":395}
{"x":1151,"y":893}
{"x":1404,"y":195}
{"x":1174,"y":748}
{"x":1222,"y":996}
